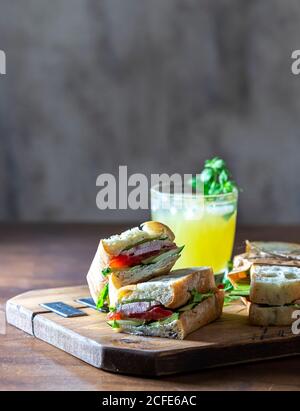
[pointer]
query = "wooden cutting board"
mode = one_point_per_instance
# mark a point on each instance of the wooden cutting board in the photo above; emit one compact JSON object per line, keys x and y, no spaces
{"x":228,"y":340}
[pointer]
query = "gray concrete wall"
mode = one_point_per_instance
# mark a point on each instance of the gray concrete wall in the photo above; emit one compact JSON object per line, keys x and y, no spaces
{"x":158,"y":85}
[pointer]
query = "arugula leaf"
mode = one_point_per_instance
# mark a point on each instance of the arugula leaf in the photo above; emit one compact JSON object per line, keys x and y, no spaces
{"x":113,"y":324}
{"x":243,"y":286}
{"x":236,"y":294}
{"x":199,"y":297}
{"x":227,"y":285}
{"x":196,"y":299}
{"x":240,"y":292}
{"x":230,"y":298}
{"x":103,"y":297}
{"x":167,"y":320}
{"x":138,"y":323}
{"x":242,"y":289}
{"x":163,"y":255}
{"x":106,"y":271}
{"x":188,"y":307}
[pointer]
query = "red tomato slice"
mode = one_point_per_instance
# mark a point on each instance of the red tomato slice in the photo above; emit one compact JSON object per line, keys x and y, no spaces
{"x":113,"y":315}
{"x":156,"y":313}
{"x":122,"y":261}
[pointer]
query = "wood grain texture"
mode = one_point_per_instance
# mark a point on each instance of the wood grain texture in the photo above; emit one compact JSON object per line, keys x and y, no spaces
{"x":229,"y":340}
{"x":21,"y":310}
{"x":44,"y":256}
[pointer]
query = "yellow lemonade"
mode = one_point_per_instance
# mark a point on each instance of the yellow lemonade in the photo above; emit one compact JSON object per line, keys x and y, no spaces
{"x":208,"y":235}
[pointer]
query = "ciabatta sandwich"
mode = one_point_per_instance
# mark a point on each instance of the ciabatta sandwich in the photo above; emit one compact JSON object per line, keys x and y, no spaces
{"x":170,"y":306}
{"x":274,"y":294}
{"x":267,"y":277}
{"x":135,"y":255}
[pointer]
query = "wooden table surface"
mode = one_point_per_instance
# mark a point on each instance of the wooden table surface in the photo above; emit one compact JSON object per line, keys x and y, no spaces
{"x":42,"y":256}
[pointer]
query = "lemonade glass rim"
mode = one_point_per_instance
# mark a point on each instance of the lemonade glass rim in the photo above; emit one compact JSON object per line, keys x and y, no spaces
{"x":227,"y":197}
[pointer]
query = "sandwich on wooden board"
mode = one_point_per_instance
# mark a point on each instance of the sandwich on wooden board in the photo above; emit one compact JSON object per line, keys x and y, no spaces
{"x":135,"y":255}
{"x":170,"y":306}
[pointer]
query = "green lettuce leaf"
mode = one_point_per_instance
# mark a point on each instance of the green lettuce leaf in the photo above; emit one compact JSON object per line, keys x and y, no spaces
{"x":157,"y":258}
{"x":228,"y":299}
{"x":103,"y":297}
{"x":168,"y":320}
{"x":106,"y":271}
{"x":199,"y":297}
{"x":119,"y":323}
{"x":240,"y":292}
{"x":196,"y":299}
{"x":113,"y":324}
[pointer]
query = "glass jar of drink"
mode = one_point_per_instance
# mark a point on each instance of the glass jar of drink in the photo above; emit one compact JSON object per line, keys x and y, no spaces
{"x":205,"y":224}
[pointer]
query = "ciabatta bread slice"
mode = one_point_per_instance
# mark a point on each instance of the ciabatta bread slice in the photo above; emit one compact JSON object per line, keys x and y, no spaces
{"x":277,"y":249}
{"x":147,"y":231}
{"x":172,"y":290}
{"x":246,"y":260}
{"x":273,"y":315}
{"x":274,"y":285}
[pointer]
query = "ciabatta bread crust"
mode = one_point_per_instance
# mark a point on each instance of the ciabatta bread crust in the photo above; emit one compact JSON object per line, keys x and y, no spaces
{"x":172,"y":290}
{"x":271,"y":316}
{"x":200,"y":279}
{"x":204,"y":313}
{"x":246,"y":260}
{"x":95,"y":279}
{"x":115,"y":244}
{"x":277,"y":249}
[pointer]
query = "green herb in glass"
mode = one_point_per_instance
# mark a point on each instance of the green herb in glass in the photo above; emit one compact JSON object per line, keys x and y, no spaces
{"x":216,"y":177}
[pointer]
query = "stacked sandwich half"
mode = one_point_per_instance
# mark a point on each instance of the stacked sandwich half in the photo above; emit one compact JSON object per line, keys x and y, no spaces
{"x":130,"y":277}
{"x":267,"y":277}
